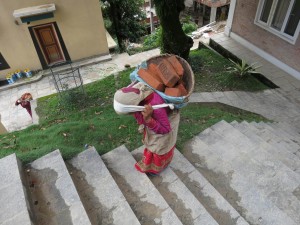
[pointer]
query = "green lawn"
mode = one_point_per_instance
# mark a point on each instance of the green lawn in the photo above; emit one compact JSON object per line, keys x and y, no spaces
{"x":94,"y":122}
{"x":212,"y":74}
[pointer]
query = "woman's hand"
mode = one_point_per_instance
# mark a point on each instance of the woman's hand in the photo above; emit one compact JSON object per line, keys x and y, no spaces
{"x":147,"y":113}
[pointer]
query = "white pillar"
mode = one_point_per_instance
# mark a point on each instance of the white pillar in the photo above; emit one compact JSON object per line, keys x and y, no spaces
{"x":230,"y":18}
{"x":213,"y":14}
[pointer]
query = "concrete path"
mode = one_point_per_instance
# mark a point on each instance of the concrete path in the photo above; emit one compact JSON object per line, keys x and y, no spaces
{"x":282,"y":104}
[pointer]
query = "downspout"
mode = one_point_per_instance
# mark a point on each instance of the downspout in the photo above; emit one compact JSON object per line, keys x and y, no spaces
{"x":230,"y":18}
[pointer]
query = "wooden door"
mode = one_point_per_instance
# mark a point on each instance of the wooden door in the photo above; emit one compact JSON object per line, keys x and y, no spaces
{"x":49,"y":44}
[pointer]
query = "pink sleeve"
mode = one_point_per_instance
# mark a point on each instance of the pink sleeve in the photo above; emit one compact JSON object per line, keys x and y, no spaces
{"x":159,"y":123}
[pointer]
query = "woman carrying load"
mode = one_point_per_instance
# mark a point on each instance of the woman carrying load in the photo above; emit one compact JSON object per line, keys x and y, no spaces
{"x":158,"y":123}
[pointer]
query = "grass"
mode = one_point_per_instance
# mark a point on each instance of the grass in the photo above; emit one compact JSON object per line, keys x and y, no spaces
{"x":212,"y":74}
{"x":94,"y":122}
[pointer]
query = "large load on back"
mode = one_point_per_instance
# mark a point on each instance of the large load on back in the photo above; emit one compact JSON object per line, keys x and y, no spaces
{"x":169,"y":75}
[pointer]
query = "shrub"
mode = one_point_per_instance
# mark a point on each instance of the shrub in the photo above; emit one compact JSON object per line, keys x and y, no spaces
{"x":153,"y":40}
{"x":243,"y":69}
{"x":189,"y":27}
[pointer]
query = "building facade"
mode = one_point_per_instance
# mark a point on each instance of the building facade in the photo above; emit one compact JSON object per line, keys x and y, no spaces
{"x":270,"y":28}
{"x":37,"y":34}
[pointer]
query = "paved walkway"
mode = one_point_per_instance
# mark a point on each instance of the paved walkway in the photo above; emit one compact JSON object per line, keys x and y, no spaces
{"x":282,"y":104}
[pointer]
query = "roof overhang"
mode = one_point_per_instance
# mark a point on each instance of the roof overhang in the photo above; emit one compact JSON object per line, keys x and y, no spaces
{"x":34,"y":13}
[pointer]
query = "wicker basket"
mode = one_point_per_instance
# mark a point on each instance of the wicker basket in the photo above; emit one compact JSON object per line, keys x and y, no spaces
{"x":188,"y":76}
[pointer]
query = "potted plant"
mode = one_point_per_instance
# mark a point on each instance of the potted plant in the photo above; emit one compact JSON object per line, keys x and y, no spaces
{"x":28,"y":72}
{"x":9,"y":78}
{"x":243,"y":69}
{"x":18,"y":73}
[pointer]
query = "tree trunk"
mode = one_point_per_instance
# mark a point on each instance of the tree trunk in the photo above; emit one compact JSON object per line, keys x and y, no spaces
{"x":114,"y":12}
{"x":174,"y":40}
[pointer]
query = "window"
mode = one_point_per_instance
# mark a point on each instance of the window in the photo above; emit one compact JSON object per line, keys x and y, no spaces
{"x":281,"y":17}
{"x":3,"y":63}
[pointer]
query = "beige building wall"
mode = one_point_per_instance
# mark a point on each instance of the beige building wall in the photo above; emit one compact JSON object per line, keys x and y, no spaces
{"x":80,"y":24}
{"x":243,"y":25}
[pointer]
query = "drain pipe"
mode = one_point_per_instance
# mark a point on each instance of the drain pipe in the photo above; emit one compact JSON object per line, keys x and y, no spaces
{"x":230,"y":18}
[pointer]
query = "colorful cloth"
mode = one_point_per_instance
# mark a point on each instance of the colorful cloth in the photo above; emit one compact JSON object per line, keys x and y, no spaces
{"x":159,"y":137}
{"x":154,"y":163}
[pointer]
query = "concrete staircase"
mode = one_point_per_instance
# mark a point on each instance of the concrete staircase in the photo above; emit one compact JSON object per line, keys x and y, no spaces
{"x":231,"y":173}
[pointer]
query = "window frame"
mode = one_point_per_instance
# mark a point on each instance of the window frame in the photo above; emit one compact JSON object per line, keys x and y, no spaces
{"x":267,"y":26}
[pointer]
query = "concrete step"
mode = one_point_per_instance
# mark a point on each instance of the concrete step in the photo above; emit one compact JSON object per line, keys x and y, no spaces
{"x":186,"y":206}
{"x":101,"y":196}
{"x":292,"y":95}
{"x":145,"y":200}
{"x":268,"y":174}
{"x":288,"y":135}
{"x":292,"y":131}
{"x":270,"y":137}
{"x":53,"y":193}
{"x":280,"y":134}
{"x":14,"y":206}
{"x":234,"y":185}
{"x":210,"y":198}
{"x":273,"y":129}
{"x":276,"y":152}
{"x":292,"y":143}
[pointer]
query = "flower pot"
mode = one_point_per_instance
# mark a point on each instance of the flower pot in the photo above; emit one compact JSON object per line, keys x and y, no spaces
{"x":19,"y":74}
{"x":28,"y":73}
{"x":10,"y":78}
{"x":14,"y":77}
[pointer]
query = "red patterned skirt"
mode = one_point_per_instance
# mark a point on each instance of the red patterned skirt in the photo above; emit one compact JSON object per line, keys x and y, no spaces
{"x":153,"y":163}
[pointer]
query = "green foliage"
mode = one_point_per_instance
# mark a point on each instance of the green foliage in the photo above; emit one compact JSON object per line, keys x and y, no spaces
{"x":126,"y":19}
{"x":211,"y":74}
{"x":242,"y":69}
{"x":107,"y":24}
{"x":189,"y":27}
{"x":187,"y":19}
{"x":106,"y":18}
{"x":153,"y":40}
